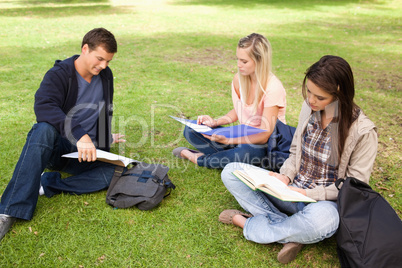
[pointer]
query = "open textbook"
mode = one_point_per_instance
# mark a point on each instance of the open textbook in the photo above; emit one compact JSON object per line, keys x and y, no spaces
{"x":107,"y":157}
{"x":259,"y":179}
{"x":228,"y":132}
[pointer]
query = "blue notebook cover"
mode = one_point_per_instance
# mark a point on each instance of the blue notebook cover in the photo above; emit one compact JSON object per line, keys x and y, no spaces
{"x":228,"y":132}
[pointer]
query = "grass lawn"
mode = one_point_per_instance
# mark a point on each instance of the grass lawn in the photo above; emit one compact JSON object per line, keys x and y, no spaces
{"x":177,"y":57}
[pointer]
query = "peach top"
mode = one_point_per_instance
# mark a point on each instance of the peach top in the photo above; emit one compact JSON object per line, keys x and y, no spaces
{"x":275,"y":95}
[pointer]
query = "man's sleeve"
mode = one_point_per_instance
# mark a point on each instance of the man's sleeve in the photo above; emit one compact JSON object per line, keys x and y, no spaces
{"x":50,"y":99}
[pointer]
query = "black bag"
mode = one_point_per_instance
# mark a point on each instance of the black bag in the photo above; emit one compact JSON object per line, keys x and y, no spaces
{"x":143,"y":185}
{"x":278,"y":146}
{"x":370,"y":231}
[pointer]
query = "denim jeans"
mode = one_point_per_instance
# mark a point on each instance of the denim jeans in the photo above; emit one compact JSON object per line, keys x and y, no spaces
{"x":43,"y":149}
{"x":218,"y":155}
{"x":279,"y":221}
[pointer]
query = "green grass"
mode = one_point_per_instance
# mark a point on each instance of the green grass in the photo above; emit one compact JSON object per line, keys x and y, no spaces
{"x":178,"y":58}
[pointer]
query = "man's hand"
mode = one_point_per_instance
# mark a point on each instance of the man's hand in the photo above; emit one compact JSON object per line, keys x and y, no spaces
{"x":86,"y":149}
{"x":117,"y":138}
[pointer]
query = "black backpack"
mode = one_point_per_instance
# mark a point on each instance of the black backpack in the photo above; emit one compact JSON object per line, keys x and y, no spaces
{"x":278,"y":146}
{"x":370,"y":231}
{"x":144,"y":185}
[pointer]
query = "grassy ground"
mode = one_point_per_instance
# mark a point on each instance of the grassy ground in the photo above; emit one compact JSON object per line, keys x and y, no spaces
{"x":178,"y":58}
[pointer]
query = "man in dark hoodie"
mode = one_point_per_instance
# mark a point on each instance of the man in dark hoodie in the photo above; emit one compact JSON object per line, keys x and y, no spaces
{"x":73,"y":108}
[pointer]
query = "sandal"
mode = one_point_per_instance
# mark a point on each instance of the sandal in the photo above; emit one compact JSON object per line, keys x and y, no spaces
{"x":177,"y":152}
{"x":289,"y":252}
{"x":226,"y":216}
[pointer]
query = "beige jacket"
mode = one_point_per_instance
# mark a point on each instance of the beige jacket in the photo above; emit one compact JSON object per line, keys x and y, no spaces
{"x":357,"y":159}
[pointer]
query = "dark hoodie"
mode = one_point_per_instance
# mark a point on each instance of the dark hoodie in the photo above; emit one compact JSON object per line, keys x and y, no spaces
{"x":57,"y":95}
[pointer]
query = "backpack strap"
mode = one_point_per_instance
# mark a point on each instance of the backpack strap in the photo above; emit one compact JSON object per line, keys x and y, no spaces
{"x":118,"y":171}
{"x":169,"y":186}
{"x":143,"y":177}
{"x":338,"y":183}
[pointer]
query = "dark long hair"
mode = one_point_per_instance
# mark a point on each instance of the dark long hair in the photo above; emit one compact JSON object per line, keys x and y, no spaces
{"x":334,"y":75}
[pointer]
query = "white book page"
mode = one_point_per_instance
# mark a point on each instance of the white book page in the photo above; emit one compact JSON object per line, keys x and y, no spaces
{"x":261,"y":176}
{"x":105,"y":155}
{"x":196,"y":127}
{"x":241,"y":175}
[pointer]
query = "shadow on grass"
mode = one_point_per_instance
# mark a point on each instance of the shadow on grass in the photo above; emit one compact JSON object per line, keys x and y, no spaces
{"x":62,"y":8}
{"x":27,"y":2}
{"x":290,"y":4}
{"x":144,"y":55}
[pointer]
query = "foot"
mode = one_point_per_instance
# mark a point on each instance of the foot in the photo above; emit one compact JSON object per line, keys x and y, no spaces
{"x":191,"y":155}
{"x":41,"y":190}
{"x":289,"y":252}
{"x":6,"y":222}
{"x":226,"y":216}
{"x":178,"y":152}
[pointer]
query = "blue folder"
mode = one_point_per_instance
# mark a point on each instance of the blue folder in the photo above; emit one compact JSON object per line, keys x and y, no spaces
{"x":229,"y":132}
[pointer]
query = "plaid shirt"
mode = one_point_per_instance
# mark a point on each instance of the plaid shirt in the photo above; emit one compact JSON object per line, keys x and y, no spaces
{"x":316,"y":149}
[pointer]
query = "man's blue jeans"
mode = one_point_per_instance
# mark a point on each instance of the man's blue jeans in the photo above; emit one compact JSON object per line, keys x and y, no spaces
{"x":279,"y":221}
{"x":217,"y":155}
{"x":43,"y":149}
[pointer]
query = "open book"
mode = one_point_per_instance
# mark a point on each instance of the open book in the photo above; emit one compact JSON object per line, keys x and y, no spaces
{"x":259,"y":179}
{"x":228,"y":132}
{"x":107,"y":157}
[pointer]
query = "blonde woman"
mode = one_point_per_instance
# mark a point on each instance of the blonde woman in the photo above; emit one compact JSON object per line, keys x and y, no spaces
{"x":259,"y":99}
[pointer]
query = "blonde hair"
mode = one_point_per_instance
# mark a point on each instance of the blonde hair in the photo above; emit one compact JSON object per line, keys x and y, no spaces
{"x":260,"y":51}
